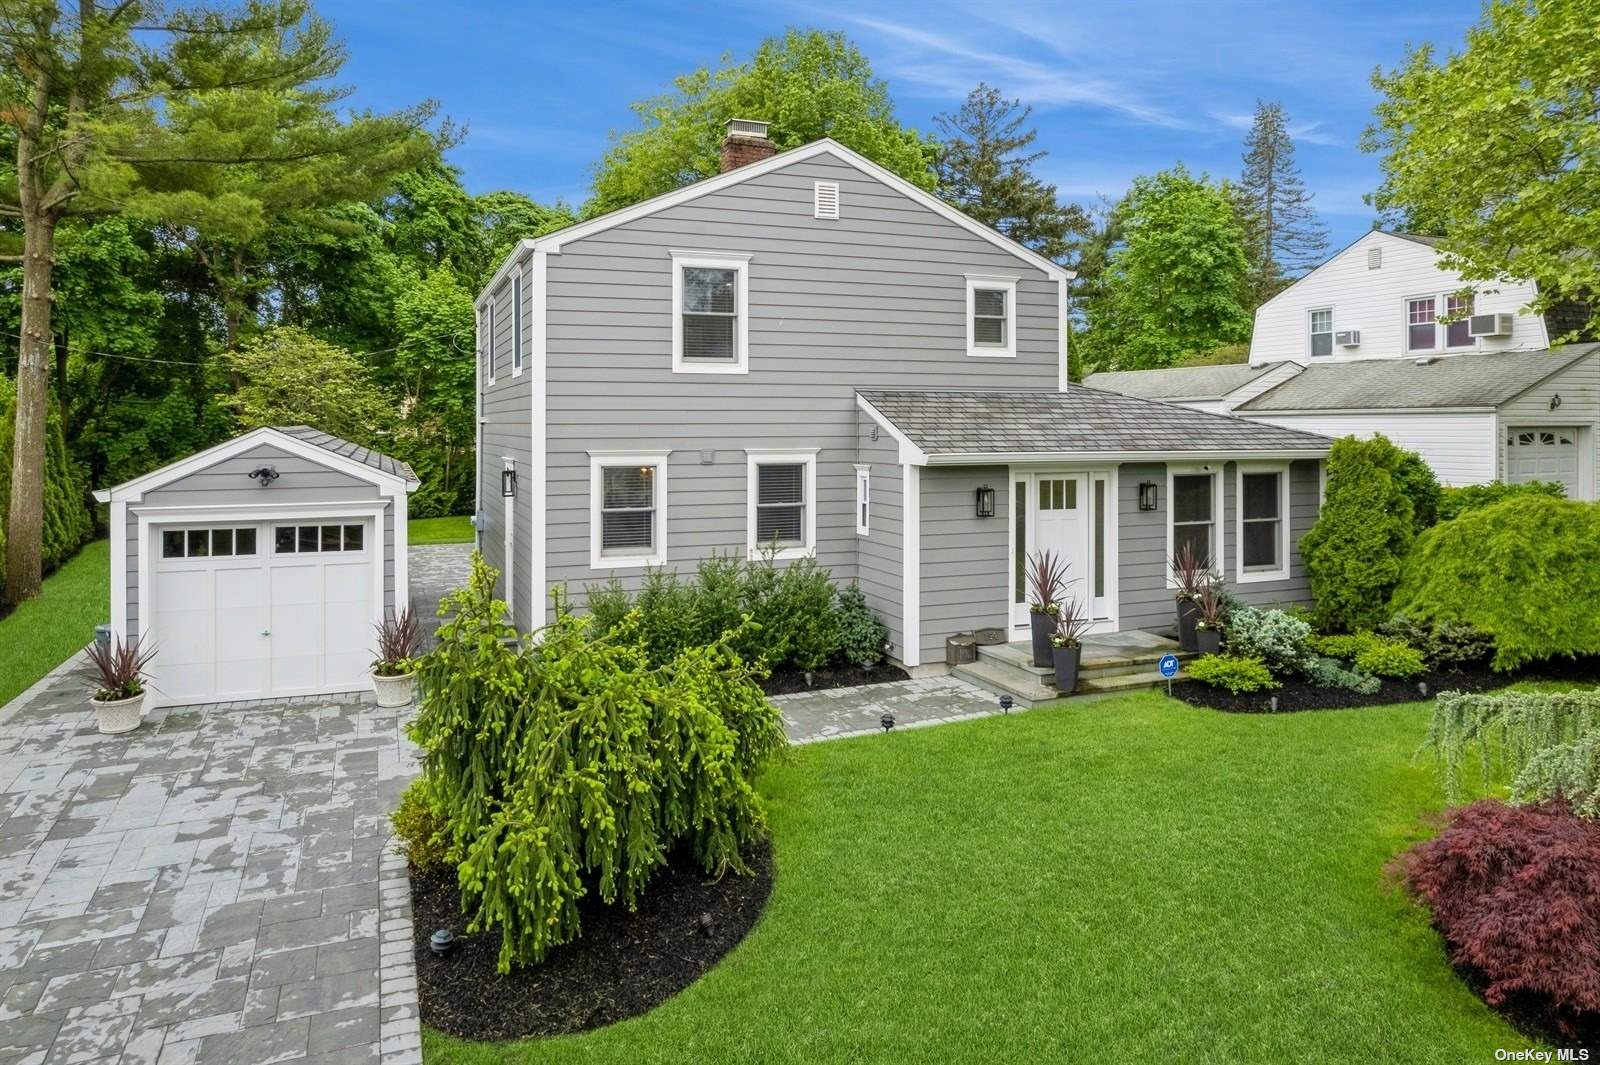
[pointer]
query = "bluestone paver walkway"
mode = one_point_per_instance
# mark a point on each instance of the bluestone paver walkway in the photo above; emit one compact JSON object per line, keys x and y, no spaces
{"x":836,"y":713}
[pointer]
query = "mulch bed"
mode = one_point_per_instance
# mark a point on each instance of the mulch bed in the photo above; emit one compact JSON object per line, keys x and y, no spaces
{"x":1534,"y":1016}
{"x":793,"y":681}
{"x":624,"y":964}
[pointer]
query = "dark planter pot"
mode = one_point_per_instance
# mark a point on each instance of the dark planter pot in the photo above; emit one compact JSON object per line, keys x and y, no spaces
{"x":1043,"y":625}
{"x":1208,"y":641}
{"x":1065,"y":660}
{"x":1188,"y":614}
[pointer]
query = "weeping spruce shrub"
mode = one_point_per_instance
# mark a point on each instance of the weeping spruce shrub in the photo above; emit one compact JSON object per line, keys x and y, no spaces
{"x":1525,"y":571}
{"x":67,"y":523}
{"x":570,"y":764}
{"x":1547,"y":743}
{"x":1354,"y":552}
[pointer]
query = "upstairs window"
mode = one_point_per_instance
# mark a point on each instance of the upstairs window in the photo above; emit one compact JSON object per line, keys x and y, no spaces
{"x":628,"y":503}
{"x":781,"y":515}
{"x":1420,"y":328}
{"x":1458,"y":333}
{"x":710,"y":326}
{"x":1321,"y":332}
{"x":991,"y":316}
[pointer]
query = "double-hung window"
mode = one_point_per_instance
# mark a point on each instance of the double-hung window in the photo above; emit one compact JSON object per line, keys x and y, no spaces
{"x":1263,"y":497}
{"x":1421,"y":330}
{"x":1458,"y":331}
{"x":627,"y":509}
{"x":781,"y":494}
{"x":1192,"y":514}
{"x":710,"y":312}
{"x":991,"y":316}
{"x":1321,"y":323}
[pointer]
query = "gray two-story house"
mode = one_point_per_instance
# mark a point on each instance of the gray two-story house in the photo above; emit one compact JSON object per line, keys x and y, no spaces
{"x":807,"y":353}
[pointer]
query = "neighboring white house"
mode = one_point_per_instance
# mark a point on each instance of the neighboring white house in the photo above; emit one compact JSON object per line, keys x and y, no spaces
{"x":1360,"y":346}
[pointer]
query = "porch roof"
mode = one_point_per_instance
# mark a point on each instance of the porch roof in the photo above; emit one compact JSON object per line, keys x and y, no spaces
{"x":1081,"y":422}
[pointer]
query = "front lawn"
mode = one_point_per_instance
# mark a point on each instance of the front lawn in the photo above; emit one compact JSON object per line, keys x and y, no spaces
{"x":456,"y":529}
{"x":41,"y":633}
{"x":1135,"y":879}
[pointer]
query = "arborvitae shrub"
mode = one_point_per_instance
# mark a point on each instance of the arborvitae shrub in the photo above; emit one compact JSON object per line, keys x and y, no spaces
{"x":1354,"y":552}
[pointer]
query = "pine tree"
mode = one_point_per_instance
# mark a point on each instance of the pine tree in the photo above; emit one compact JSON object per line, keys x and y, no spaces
{"x":1285,"y":238}
{"x":986,"y":169}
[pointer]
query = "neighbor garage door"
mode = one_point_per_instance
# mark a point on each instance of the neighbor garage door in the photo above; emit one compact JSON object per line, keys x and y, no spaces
{"x":262,"y":610}
{"x":1543,"y":454}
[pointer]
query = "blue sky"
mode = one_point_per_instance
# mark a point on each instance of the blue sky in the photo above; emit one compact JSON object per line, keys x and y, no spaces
{"x":1118,"y":89}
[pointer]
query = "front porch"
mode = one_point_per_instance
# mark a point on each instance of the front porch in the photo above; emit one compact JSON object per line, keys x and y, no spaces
{"x":1111,"y":662}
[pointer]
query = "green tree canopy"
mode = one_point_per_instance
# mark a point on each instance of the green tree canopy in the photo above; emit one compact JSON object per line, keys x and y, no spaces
{"x":1175,"y":285}
{"x":1497,"y":148}
{"x":808,"y":84}
{"x":289,"y":377}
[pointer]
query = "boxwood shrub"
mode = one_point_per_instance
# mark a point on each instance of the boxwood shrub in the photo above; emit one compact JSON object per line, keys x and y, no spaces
{"x":1234,"y":672}
{"x":1524,"y":571}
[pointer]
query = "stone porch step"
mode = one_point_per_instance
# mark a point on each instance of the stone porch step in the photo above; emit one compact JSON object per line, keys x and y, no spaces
{"x":1026,"y":688}
{"x":1094,"y":663}
{"x":1125,"y":682}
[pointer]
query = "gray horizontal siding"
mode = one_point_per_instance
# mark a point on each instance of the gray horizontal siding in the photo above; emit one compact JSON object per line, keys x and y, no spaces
{"x":874,"y":299}
{"x":507,"y":431}
{"x":966,"y":560}
{"x":880,"y":554}
{"x":225,"y":483}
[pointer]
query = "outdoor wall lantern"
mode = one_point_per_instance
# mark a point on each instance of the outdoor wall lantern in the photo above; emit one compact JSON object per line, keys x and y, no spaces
{"x":263,"y":475}
{"x":1555,"y":401}
{"x":508,"y":481}
{"x":986,"y":502}
{"x":1147,"y":495}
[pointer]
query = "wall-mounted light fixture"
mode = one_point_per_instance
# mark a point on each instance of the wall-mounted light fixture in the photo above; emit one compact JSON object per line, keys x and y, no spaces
{"x":1555,"y":401}
{"x":986,"y":502}
{"x":508,"y":480}
{"x":264,"y":475}
{"x":1147,"y":495}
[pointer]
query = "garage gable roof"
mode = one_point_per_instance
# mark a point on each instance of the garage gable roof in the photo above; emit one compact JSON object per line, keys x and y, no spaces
{"x":312,"y":444}
{"x":1481,"y":379}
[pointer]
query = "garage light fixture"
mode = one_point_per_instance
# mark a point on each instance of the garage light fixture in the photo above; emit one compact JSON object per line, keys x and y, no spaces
{"x":986,"y":502}
{"x":263,"y":475}
{"x":1147,"y":495}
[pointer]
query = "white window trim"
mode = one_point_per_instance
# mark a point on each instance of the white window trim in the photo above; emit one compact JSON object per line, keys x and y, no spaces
{"x":763,"y":457}
{"x":598,"y":461}
{"x":518,"y":328}
{"x":1441,"y":330}
{"x":488,"y":346}
{"x":863,"y":498}
{"x":1281,"y":571}
{"x":1007,"y":284}
{"x":1333,"y":329}
{"x":713,"y":260}
{"x":1219,"y":548}
{"x":1442,"y":307}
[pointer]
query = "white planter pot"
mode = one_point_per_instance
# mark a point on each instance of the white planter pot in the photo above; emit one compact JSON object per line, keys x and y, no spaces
{"x":395,"y":691}
{"x":118,"y":716}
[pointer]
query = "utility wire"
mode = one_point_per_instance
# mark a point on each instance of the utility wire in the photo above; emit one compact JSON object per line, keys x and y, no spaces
{"x":452,"y":337}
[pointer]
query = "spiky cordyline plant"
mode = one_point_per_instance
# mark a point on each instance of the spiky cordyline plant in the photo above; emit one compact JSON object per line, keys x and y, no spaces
{"x":1072,"y":624}
{"x":1191,"y":571}
{"x":1047,"y":581}
{"x":117,"y":669}
{"x":399,"y":640}
{"x":1212,"y":608}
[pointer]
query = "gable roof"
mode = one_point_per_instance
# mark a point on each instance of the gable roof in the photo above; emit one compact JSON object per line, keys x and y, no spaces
{"x":1371,"y":234}
{"x":366,"y":456}
{"x":1481,"y":379}
{"x":389,"y":474}
{"x":1180,"y":382}
{"x":553,"y":242}
{"x":961,"y":426}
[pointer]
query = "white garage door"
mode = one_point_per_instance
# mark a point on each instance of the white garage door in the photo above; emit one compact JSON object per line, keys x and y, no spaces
{"x":255,"y":611}
{"x":1541,"y":454}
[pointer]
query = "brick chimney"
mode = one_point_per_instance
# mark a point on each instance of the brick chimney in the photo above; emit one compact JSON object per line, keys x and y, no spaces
{"x":745,"y":142}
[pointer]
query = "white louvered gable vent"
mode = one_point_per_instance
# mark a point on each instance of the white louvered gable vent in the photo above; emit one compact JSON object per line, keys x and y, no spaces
{"x":1374,"y":258}
{"x":826,"y":199}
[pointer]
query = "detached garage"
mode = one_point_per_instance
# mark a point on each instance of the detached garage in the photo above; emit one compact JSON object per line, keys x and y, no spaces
{"x":261,"y":567}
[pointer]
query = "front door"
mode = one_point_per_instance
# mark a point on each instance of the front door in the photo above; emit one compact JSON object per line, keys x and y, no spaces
{"x":1056,"y":520}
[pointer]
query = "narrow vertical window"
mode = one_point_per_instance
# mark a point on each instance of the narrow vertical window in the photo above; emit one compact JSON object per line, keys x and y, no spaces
{"x":516,"y":323}
{"x":1099,"y":539}
{"x":1019,"y":512}
{"x":489,"y":344}
{"x":863,"y":499}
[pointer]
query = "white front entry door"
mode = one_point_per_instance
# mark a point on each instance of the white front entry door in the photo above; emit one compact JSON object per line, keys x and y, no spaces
{"x":1535,"y":453}
{"x":261,"y":610}
{"x":1054,"y":513}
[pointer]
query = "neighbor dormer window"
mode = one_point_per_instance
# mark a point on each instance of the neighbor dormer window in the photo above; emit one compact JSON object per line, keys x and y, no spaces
{"x":710,"y":326}
{"x":1458,"y":332}
{"x":1420,"y":324}
{"x":991,"y":316}
{"x":1321,"y":332}
{"x":1423,"y":327}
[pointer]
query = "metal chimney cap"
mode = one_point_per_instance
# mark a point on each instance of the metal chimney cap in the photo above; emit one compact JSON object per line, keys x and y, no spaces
{"x":747,"y":127}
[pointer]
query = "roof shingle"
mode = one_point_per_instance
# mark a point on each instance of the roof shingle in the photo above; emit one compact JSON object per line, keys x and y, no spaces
{"x":1180,"y":382}
{"x":366,"y":456}
{"x":1082,"y":420}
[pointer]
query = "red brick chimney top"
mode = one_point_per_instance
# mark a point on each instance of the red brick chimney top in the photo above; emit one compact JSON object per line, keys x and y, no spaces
{"x":745,"y":142}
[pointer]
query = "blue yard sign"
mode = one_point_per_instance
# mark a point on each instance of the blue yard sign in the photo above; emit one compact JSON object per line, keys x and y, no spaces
{"x":1168,"y":666}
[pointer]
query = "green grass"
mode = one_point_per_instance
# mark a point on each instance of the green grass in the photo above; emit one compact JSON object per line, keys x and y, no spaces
{"x":41,"y":633}
{"x":452,"y":530}
{"x":1135,"y":880}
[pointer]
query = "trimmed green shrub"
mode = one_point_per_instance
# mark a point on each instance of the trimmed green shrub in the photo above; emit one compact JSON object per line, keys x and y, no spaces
{"x":862,"y":634}
{"x":1342,"y":646}
{"x":608,"y":604}
{"x":573,"y":766}
{"x":1445,"y":645}
{"x":1233,"y":672}
{"x":1272,"y":637}
{"x":1354,"y":552}
{"x":1525,"y":571}
{"x":1546,"y":741}
{"x":1417,"y":480}
{"x":1327,"y":672}
{"x":67,"y":521}
{"x":422,"y":826}
{"x":799,"y":617}
{"x":1454,"y":502}
{"x":1391,"y":658}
